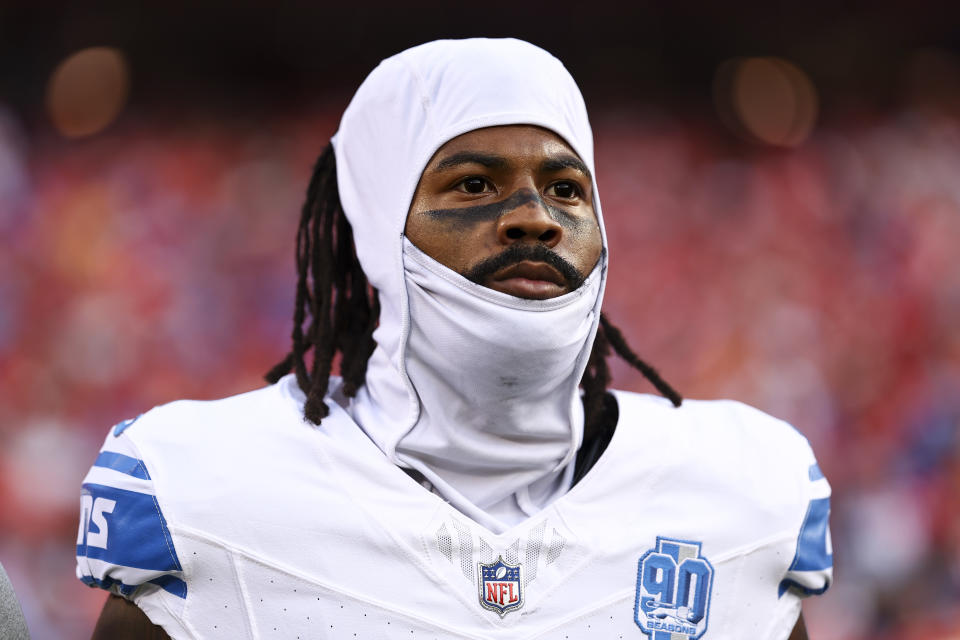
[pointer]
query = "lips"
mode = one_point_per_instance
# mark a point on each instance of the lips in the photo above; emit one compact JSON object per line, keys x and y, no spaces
{"x":527,"y":279}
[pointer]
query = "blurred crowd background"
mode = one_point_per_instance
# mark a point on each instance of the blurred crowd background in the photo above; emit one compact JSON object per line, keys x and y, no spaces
{"x":782,"y":190}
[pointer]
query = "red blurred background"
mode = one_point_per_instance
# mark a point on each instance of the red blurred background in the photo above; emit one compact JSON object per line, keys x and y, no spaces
{"x":783,"y":203}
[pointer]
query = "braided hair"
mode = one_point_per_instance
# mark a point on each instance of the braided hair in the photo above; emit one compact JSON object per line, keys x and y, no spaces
{"x":333,"y":295}
{"x":341,"y":310}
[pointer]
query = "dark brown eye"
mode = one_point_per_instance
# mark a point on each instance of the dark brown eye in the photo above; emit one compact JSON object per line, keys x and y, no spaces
{"x":474,"y":185}
{"x":565,"y":190}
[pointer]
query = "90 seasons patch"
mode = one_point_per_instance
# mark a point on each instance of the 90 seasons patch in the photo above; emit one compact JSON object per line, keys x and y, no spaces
{"x":501,"y":586}
{"x":673,"y":591}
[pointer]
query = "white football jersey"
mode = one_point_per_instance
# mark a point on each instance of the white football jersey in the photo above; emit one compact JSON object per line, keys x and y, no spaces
{"x":237,"y":519}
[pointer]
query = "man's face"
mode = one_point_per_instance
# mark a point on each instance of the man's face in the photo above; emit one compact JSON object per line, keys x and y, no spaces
{"x":510,"y":208}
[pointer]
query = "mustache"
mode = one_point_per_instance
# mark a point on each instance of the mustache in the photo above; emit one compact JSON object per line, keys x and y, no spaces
{"x":518,"y":253}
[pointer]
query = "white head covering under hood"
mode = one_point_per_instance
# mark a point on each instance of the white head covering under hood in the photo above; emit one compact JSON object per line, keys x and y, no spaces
{"x":435,"y":397}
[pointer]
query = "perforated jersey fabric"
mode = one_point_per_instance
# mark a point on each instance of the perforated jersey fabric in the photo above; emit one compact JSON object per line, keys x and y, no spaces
{"x":282,"y":529}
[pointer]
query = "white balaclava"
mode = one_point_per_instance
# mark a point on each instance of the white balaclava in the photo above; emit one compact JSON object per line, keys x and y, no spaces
{"x":475,"y":389}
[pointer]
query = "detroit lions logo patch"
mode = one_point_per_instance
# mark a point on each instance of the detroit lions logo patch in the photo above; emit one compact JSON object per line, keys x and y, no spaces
{"x":674,"y":583}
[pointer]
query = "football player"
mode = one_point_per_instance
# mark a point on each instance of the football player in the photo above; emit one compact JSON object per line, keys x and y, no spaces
{"x":469,"y":474}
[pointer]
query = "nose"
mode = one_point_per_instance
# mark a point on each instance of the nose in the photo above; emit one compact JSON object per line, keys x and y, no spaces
{"x":529,"y":222}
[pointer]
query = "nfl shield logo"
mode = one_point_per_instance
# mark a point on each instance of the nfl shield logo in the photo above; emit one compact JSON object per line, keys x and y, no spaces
{"x":501,"y":587}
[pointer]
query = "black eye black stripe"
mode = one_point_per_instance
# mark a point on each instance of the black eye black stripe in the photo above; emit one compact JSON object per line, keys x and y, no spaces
{"x":465,"y":217}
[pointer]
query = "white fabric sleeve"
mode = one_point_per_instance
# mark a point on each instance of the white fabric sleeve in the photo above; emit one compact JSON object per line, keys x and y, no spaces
{"x":811,"y":571}
{"x":123,"y":542}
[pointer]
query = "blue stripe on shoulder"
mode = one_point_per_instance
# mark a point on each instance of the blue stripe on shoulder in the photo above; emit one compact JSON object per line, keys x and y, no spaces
{"x":812,"y":552}
{"x":126,"y":528}
{"x":124,"y":464}
{"x":171,"y":584}
{"x":107,"y":583}
{"x":787,"y":583}
{"x":815,"y":473}
{"x":122,"y":426}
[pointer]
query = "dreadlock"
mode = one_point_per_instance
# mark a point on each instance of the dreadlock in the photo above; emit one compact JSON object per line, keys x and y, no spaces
{"x":342,"y":310}
{"x":332,"y":293}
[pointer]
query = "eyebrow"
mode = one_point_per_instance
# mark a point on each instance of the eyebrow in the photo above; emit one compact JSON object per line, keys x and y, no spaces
{"x":471,"y":157}
{"x":558,"y":163}
{"x":555,"y":163}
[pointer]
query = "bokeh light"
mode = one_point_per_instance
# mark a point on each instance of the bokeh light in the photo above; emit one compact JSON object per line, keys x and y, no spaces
{"x":769,"y":100}
{"x":87,"y":91}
